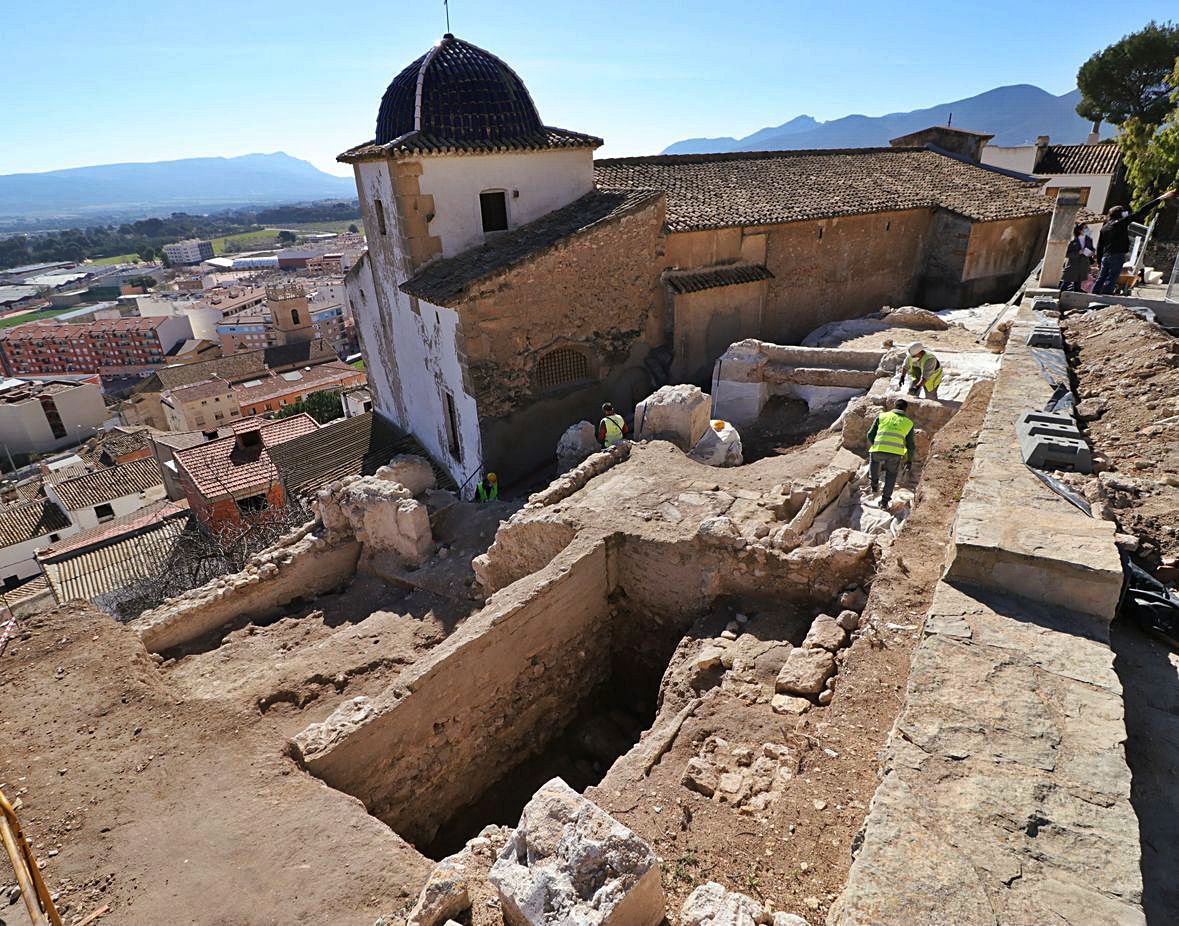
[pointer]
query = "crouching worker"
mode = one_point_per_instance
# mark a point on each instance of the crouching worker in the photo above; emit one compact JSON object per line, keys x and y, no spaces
{"x":611,"y":429}
{"x":923,"y":369}
{"x":890,"y":442}
{"x":488,"y":488}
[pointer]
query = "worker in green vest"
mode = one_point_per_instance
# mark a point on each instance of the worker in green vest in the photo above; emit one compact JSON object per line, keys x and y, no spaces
{"x":611,"y":429}
{"x":923,"y":369}
{"x":488,"y":488}
{"x":890,"y":442}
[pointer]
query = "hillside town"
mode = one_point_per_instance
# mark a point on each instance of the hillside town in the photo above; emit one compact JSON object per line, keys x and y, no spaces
{"x":721,"y":538}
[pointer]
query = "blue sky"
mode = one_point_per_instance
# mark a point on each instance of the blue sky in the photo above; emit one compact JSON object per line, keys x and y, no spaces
{"x":144,"y":80}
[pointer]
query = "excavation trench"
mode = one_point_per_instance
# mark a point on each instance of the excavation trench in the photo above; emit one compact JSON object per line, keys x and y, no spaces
{"x":560,"y":675}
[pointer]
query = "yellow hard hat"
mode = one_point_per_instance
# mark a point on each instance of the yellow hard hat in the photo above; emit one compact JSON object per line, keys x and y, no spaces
{"x":718,"y":425}
{"x":491,"y":477}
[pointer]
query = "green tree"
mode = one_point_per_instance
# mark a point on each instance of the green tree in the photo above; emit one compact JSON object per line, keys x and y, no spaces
{"x":144,"y":281}
{"x":1151,"y":152}
{"x":287,"y":237}
{"x":323,"y":406}
{"x":147,"y":255}
{"x":352,"y":228}
{"x":1131,"y":78}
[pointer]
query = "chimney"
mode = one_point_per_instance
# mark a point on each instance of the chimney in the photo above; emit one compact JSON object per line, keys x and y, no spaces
{"x":1095,"y":133}
{"x":250,"y":440}
{"x":1041,"y":141}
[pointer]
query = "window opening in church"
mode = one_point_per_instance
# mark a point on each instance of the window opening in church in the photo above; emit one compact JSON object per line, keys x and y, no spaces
{"x":561,"y":367}
{"x":380,"y":209}
{"x":295,"y":317}
{"x":452,"y":440}
{"x":494,"y":208}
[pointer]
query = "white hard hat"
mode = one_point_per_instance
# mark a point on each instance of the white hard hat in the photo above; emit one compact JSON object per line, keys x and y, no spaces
{"x":915,"y":348}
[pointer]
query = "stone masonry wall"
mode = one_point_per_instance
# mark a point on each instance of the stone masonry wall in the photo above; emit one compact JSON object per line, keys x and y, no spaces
{"x":483,"y":701}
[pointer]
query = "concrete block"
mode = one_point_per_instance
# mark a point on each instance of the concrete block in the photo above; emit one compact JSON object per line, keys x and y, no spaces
{"x":1045,"y":336}
{"x":1046,"y":452}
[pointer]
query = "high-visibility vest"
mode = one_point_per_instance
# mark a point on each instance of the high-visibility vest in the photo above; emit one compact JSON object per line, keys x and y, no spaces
{"x":928,"y":370}
{"x":613,"y":425}
{"x":891,"y":430}
{"x":487,"y":494}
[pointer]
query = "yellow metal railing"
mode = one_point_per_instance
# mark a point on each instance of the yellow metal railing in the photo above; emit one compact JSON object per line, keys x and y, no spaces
{"x":28,"y":875}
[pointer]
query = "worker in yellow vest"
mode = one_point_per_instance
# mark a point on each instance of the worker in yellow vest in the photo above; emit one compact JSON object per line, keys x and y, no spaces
{"x":923,"y":369}
{"x":890,"y":442}
{"x":488,"y":488}
{"x":611,"y":429}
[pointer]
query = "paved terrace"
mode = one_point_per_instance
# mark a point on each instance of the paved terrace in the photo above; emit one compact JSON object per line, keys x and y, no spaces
{"x":1006,"y":794}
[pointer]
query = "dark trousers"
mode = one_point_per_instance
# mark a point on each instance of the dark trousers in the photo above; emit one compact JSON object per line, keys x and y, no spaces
{"x":1111,"y":269}
{"x":891,"y":464}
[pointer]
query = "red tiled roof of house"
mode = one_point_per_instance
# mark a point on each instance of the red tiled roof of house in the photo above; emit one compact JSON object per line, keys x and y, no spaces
{"x":27,"y":520}
{"x":113,"y":482}
{"x":773,"y":187}
{"x":1079,"y":159}
{"x":279,"y":384}
{"x":225,"y":467}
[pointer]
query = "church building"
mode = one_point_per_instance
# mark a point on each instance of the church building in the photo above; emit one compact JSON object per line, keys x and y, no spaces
{"x":512,"y":283}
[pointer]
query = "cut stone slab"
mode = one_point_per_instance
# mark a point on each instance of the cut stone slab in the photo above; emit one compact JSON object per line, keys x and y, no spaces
{"x":679,"y":414}
{"x":806,"y":671}
{"x":825,"y":633}
{"x":569,"y":863}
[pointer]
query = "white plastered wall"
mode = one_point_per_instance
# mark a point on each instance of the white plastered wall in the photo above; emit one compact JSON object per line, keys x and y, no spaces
{"x":544,"y":180}
{"x":1015,"y":157}
{"x":411,"y":348}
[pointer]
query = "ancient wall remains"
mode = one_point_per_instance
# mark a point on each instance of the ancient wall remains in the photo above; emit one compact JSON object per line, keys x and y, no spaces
{"x":483,"y":701}
{"x":597,"y":295}
{"x":302,"y":565}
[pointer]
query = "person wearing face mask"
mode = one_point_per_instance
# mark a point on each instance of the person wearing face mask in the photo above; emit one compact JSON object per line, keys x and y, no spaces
{"x":1078,"y":257}
{"x":1113,"y":247}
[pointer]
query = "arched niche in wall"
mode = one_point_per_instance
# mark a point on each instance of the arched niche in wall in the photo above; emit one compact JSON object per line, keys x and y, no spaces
{"x":563,"y":366}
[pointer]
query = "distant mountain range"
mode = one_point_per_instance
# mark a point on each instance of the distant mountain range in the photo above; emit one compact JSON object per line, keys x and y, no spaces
{"x":1015,"y":115}
{"x":191,"y":184}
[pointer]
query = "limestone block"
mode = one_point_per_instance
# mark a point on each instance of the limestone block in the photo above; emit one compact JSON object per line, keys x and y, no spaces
{"x":806,"y":671}
{"x":712,"y":905}
{"x":578,"y":442}
{"x":679,"y":414}
{"x":719,"y":446}
{"x":909,"y":316}
{"x":570,"y":862}
{"x":789,"y":704}
{"x":445,"y":895}
{"x":825,"y":633}
{"x":413,"y":472}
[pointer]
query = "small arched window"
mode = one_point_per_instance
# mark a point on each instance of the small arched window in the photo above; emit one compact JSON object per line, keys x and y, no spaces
{"x":294,"y":316}
{"x":561,"y":366}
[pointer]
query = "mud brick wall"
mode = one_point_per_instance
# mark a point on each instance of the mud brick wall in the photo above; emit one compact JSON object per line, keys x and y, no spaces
{"x":490,"y":697}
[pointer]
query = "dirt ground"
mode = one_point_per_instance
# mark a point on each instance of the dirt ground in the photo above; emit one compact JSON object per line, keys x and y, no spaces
{"x":1126,"y":376}
{"x":796,"y":854}
{"x":158,"y":786}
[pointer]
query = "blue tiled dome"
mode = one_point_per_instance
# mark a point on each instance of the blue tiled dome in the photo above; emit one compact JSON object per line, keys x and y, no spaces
{"x":459,"y":93}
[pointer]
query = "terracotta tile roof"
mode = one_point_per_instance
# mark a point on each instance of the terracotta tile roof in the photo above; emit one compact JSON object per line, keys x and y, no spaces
{"x":772,"y":187}
{"x":115,"y":555}
{"x":446,"y":282}
{"x":695,"y":281}
{"x":27,"y":520}
{"x":202,"y":390}
{"x":356,"y":446}
{"x":73,"y":330}
{"x":1079,"y":159}
{"x":418,"y":143}
{"x":72,"y":471}
{"x":119,"y":441}
{"x":239,"y":366}
{"x":222,"y":467}
{"x":273,"y":385}
{"x":128,"y":523}
{"x":22,"y":593}
{"x":30,"y":489}
{"x":107,"y":484}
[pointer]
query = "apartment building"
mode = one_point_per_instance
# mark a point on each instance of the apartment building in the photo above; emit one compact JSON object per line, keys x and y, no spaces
{"x":115,"y":346}
{"x":39,"y":416}
{"x":191,"y":251}
{"x":200,"y":406}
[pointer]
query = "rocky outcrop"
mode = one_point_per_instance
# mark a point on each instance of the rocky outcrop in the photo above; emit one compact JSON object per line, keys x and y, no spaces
{"x":909,"y":316}
{"x":411,"y":471}
{"x":569,"y":862}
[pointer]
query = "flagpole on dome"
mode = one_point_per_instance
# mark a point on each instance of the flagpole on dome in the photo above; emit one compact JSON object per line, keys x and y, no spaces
{"x":446,"y":6}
